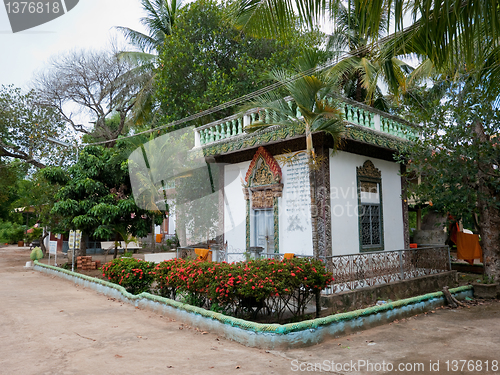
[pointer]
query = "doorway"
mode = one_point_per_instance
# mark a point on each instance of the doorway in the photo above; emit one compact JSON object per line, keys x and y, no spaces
{"x":264,"y":229}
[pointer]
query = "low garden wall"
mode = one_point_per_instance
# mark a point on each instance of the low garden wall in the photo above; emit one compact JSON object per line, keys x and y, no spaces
{"x":267,"y":336}
{"x":358,"y":298}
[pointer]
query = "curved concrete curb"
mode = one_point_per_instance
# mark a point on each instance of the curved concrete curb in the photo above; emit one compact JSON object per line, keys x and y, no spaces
{"x":268,"y":336}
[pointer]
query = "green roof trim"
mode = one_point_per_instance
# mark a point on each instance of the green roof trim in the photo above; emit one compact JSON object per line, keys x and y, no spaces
{"x":282,"y":133}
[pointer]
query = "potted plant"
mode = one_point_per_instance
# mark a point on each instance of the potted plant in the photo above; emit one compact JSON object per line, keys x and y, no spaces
{"x":485,"y":287}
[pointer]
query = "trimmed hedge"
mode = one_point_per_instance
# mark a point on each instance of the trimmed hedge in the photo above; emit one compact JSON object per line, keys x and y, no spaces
{"x":241,"y":288}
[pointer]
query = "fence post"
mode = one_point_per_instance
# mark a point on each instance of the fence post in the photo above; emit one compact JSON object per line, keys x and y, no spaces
{"x":400,"y":252}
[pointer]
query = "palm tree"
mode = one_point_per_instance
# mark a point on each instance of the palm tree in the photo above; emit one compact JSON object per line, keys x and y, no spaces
{"x":310,"y":105}
{"x":159,"y":21}
{"x":438,"y":23}
{"x":360,"y":67}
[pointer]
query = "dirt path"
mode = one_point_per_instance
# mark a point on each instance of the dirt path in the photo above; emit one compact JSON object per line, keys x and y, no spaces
{"x":50,"y":326}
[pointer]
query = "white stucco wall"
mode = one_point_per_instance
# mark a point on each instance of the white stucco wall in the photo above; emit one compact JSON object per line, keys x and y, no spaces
{"x":234,"y":206}
{"x":294,"y":210}
{"x":344,"y":201}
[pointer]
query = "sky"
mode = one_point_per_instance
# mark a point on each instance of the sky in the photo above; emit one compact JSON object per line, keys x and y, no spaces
{"x":88,"y":25}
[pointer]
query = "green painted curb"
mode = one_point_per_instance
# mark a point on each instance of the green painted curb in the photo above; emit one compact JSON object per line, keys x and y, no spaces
{"x":281,"y":329}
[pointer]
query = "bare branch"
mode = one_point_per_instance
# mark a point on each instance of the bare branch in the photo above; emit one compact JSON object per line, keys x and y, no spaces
{"x":96,"y":83}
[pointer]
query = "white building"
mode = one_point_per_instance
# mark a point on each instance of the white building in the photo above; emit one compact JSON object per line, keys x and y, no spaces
{"x":264,"y":192}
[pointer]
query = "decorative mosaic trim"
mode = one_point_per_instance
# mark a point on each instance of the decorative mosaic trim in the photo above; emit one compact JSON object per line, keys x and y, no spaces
{"x":276,"y":226}
{"x":269,"y":160}
{"x":365,"y":135}
{"x":273,"y":134}
{"x":280,"y":329}
{"x":248,"y":225}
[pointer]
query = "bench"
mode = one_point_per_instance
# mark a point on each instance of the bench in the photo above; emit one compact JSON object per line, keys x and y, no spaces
{"x":159,"y":257}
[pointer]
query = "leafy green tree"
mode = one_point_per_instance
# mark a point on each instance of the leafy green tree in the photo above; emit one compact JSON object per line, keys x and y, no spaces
{"x":445,"y":29}
{"x":458,"y":159}
{"x":206,"y":62}
{"x":11,"y":174}
{"x":95,"y":195}
{"x":36,"y":194}
{"x":24,"y":126}
{"x":313,"y":108}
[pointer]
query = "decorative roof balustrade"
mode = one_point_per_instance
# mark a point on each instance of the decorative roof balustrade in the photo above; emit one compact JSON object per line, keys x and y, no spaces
{"x":355,"y":113}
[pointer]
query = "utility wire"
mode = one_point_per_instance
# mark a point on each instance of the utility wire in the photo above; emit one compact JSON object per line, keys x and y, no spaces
{"x":262,"y":91}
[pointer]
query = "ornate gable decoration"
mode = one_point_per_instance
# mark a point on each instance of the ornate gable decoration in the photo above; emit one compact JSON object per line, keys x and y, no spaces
{"x":368,"y":170}
{"x":263,"y":180}
{"x":265,"y":172}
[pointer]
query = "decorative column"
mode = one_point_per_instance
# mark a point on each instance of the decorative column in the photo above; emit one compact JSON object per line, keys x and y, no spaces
{"x":322,"y":193}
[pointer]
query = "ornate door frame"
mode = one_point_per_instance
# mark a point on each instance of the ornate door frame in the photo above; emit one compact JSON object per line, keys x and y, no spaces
{"x":262,"y":188}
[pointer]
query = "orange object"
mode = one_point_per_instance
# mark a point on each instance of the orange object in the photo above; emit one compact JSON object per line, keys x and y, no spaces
{"x":413,"y":246}
{"x":203,"y":254}
{"x":468,"y":247}
{"x":289,"y":256}
{"x":159,"y":237}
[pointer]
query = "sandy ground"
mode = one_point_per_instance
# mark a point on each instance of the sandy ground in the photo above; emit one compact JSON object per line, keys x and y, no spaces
{"x":50,"y":326}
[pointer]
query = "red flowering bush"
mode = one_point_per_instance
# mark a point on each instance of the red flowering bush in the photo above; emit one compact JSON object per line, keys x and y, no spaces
{"x":245,"y":286}
{"x":135,"y":275}
{"x":180,"y":275}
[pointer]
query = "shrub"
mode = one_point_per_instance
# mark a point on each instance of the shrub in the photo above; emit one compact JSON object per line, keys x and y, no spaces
{"x":11,"y":232}
{"x":36,"y":254}
{"x":190,"y":277}
{"x":245,"y":287}
{"x":135,"y":275}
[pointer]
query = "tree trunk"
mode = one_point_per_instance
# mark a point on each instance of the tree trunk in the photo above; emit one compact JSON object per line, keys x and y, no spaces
{"x":153,"y":239}
{"x":490,"y":237}
{"x":115,"y":254}
{"x":83,"y":246}
{"x":489,"y":214}
{"x":42,"y":245}
{"x":180,"y":225}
